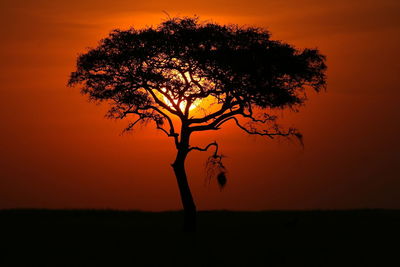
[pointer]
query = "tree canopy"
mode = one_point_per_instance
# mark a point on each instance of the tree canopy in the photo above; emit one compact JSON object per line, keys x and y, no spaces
{"x":160,"y":72}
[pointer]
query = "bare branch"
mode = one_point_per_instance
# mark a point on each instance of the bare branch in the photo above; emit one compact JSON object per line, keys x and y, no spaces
{"x":214,"y":125}
{"x":171,"y":125}
{"x":161,"y":103}
{"x":227,"y":105}
{"x":131,"y":125}
{"x":266,"y":116}
{"x":171,"y":132}
{"x":163,"y":130}
{"x":206,"y":147}
{"x":253,"y":131}
{"x":175,"y":136}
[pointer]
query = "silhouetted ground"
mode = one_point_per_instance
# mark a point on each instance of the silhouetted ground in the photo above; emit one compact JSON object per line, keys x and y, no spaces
{"x":224,"y":238}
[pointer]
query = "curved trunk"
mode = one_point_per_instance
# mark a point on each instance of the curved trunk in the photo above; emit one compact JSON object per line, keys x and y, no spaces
{"x":189,"y":208}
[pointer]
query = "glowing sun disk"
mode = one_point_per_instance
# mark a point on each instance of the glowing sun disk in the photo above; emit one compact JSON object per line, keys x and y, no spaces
{"x":182,"y":105}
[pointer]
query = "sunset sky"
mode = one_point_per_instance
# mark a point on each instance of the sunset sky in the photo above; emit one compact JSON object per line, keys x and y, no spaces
{"x":58,"y":150}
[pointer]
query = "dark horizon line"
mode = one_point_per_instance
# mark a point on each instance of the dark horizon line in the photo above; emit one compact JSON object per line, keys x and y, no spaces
{"x":178,"y":211}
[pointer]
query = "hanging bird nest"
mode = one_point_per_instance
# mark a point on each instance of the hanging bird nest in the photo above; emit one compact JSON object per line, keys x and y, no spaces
{"x":215,"y":168}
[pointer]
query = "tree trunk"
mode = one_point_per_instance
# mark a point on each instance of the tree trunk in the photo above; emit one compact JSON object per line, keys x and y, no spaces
{"x":189,"y":208}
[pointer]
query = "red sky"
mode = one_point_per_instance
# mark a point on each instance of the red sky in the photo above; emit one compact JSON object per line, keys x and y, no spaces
{"x":58,"y":150}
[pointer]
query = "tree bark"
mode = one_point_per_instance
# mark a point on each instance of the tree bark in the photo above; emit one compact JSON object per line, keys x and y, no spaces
{"x":189,"y":208}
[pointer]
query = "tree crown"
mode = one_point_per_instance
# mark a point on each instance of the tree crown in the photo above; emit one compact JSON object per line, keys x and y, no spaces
{"x":157,"y":73}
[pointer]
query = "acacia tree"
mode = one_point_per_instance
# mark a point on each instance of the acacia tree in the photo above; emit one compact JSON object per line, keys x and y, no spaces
{"x":230,"y":73}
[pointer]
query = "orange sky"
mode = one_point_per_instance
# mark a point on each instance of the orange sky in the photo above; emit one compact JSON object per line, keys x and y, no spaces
{"x":58,"y":150}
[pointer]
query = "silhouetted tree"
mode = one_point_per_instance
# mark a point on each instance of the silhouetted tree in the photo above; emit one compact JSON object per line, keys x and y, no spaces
{"x":159,"y":74}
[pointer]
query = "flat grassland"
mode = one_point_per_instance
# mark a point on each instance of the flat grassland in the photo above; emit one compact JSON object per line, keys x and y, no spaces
{"x":32,"y":237}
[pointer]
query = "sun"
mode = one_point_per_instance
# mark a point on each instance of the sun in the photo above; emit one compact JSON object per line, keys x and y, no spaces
{"x":182,"y":105}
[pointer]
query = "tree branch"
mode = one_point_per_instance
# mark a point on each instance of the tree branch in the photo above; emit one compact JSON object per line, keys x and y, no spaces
{"x":161,"y":103}
{"x":171,"y":132}
{"x":213,"y":125}
{"x":227,"y":105}
{"x":291,"y":131}
{"x":131,"y":125}
{"x":206,"y":148}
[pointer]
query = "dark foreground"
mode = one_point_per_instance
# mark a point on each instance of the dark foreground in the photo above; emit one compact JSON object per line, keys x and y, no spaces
{"x":271,"y":238}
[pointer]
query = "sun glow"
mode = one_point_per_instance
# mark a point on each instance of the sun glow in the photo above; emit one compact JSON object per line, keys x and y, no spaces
{"x":182,"y":105}
{"x":188,"y":83}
